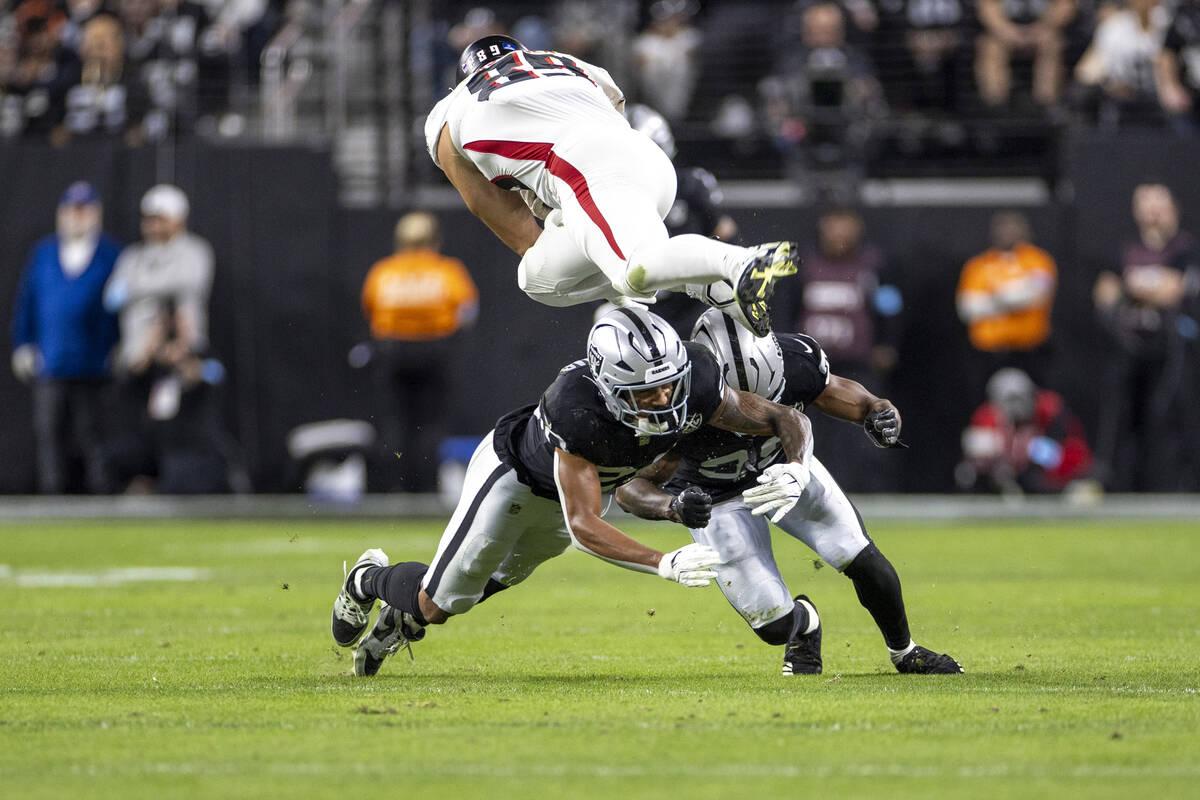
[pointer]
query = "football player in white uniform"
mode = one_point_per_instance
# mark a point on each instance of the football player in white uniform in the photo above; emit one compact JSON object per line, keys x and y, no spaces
{"x":536,"y":482}
{"x":529,"y":135}
{"x":727,"y":485}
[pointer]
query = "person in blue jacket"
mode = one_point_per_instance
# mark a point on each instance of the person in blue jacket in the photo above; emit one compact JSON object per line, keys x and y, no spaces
{"x":62,"y":337}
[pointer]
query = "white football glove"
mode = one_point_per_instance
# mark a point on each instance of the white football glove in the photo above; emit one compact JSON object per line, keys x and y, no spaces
{"x":26,"y":362}
{"x":780,"y":487}
{"x":690,"y":565}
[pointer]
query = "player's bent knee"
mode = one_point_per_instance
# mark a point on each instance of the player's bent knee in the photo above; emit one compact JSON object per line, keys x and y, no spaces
{"x":432,"y":613}
{"x":778,"y":632}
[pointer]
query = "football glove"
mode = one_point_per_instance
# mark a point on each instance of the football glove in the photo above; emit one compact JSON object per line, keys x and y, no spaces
{"x":779,"y":489}
{"x":26,"y":362}
{"x":883,"y":426}
{"x":692,"y":507}
{"x":690,"y":565}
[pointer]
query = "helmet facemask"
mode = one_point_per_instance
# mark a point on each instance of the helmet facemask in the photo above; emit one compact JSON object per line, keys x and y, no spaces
{"x":622,"y":402}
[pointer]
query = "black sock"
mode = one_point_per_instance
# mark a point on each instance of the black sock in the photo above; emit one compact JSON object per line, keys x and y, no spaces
{"x":786,"y":628}
{"x":493,"y":586}
{"x":397,"y":585}
{"x":878,"y":588}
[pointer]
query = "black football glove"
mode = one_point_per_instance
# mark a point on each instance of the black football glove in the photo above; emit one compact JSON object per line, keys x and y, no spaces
{"x":692,"y":507}
{"x":883,"y":426}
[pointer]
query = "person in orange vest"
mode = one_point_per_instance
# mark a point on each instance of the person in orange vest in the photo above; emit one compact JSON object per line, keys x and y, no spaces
{"x":1004,"y":297}
{"x":416,"y":302}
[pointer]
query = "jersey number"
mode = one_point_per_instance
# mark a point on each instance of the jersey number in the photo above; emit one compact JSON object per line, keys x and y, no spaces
{"x":521,"y":66}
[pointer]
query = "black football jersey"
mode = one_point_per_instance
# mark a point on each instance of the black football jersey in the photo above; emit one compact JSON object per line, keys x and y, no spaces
{"x":724,"y":463}
{"x":571,"y":415}
{"x":697,"y":204}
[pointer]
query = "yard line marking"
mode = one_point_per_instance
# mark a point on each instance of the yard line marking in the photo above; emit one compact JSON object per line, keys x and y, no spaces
{"x":114,"y":576}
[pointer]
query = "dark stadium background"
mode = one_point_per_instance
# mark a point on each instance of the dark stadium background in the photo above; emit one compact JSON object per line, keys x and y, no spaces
{"x":291,"y":260}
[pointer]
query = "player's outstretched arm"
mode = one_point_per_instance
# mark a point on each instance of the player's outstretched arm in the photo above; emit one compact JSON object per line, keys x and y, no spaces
{"x":501,"y":210}
{"x":851,"y":401}
{"x":579,"y":492}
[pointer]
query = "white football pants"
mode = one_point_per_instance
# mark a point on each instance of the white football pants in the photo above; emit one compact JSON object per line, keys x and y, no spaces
{"x":607,"y":239}
{"x":824,"y":519}
{"x":499,"y":529}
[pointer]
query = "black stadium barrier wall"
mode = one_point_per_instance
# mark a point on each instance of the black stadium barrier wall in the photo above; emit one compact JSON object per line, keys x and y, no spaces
{"x":290,"y":262}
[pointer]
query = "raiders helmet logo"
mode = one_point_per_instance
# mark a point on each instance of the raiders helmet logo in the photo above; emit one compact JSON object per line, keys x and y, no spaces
{"x":595,"y":359}
{"x":693,"y":422}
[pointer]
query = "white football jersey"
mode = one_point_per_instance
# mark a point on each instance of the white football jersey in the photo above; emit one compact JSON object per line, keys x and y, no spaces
{"x":507,"y":117}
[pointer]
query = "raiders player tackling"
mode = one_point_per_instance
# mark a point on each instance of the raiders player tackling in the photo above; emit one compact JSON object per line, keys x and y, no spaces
{"x":728,"y":483}
{"x":535,"y":484}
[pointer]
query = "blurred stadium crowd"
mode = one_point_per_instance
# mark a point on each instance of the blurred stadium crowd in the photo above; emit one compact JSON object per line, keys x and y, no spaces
{"x":822,"y":93}
{"x":760,"y":88}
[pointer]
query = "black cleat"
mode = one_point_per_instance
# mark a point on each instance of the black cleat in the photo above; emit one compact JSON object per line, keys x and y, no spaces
{"x":350,"y":615}
{"x":392,"y":631}
{"x":802,"y":653}
{"x":756,"y":283}
{"x":926,"y":662}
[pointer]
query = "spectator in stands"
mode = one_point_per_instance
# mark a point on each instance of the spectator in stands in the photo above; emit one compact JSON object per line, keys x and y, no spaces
{"x":1149,"y":427}
{"x":664,"y":58}
{"x":161,"y":44}
{"x":107,"y":100}
{"x":823,"y":100}
{"x":919,"y":47}
{"x":1116,"y":73}
{"x":1005,"y":295}
{"x":78,"y":13}
{"x":1021,"y":29}
{"x":415,"y":301}
{"x":844,"y":298}
{"x":33,"y":87}
{"x":62,"y":336}
{"x":1022,"y":440}
{"x":588,"y":29}
{"x":172,"y":438}
{"x":1178,"y":70}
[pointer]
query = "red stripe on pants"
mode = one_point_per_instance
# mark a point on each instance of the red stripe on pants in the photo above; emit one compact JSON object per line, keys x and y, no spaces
{"x":559,"y":168}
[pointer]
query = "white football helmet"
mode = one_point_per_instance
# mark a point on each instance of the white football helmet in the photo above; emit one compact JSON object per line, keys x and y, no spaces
{"x":750,"y":363}
{"x":645,"y":119}
{"x":630,"y":349}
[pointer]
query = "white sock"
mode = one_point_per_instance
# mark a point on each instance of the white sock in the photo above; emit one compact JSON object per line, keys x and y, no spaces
{"x":356,"y":585}
{"x":898,"y":655}
{"x":687,"y":258}
{"x":814,"y":621}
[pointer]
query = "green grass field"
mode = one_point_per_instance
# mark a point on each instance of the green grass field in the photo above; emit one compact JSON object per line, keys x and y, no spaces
{"x":219,"y":678}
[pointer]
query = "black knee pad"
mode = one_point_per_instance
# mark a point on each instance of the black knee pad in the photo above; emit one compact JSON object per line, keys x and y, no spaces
{"x":869,"y":561}
{"x":779,"y":631}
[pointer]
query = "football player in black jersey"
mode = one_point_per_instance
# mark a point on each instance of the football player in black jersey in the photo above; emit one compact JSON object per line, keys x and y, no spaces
{"x":536,"y":482}
{"x":790,"y":369}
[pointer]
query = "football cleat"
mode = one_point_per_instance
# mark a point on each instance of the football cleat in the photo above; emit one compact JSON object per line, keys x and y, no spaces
{"x":350,"y":615}
{"x":802,"y":653}
{"x":393,"y":630}
{"x":926,"y":662}
{"x":756,"y":283}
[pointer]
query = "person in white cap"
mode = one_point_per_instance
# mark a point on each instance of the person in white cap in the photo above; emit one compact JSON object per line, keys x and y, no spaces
{"x":160,"y":288}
